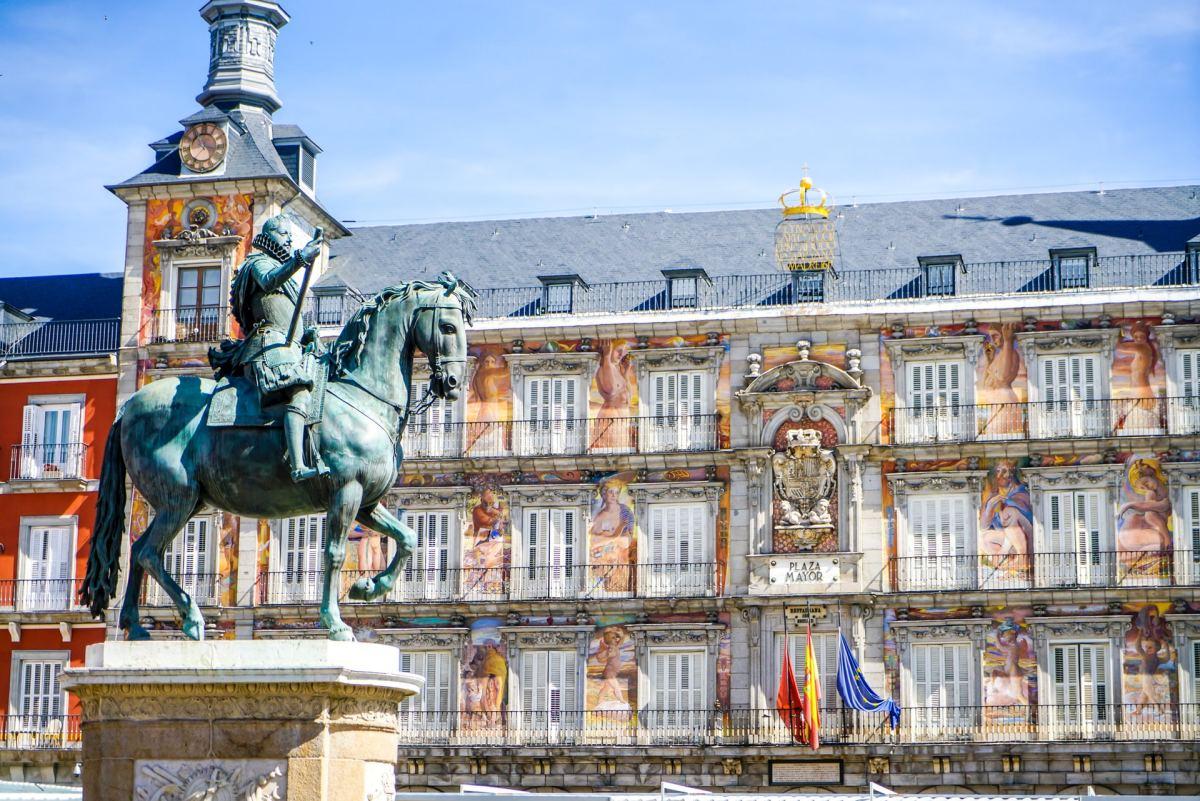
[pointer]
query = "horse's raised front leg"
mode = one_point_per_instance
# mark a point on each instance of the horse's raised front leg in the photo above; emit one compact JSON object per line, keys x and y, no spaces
{"x":147,"y":557}
{"x":380,"y":519}
{"x":342,"y":509}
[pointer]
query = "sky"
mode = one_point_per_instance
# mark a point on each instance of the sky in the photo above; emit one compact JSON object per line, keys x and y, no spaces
{"x":453,"y":110}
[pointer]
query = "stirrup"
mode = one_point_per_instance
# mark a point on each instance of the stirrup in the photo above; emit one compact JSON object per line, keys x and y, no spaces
{"x":304,"y":474}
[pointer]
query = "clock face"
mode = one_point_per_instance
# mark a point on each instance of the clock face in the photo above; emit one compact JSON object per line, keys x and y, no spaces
{"x":202,"y":147}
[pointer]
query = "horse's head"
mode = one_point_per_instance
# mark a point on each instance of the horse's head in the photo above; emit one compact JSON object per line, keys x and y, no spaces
{"x":440,"y":330}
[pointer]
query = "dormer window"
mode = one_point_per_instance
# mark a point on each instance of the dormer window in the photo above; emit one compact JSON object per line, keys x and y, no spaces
{"x":558,"y":292}
{"x":1072,"y":267}
{"x":938,"y":274}
{"x":683,"y":287}
{"x":1192,"y":259}
{"x":298,"y":154}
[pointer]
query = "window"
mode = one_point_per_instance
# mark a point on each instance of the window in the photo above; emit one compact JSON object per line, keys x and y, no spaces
{"x":825,"y":648}
{"x":1069,"y":405}
{"x":297,"y":575}
{"x":554,"y":423}
{"x":1076,"y":548}
{"x":808,"y":286}
{"x":40,"y":702}
{"x":938,"y":543}
{"x":942,"y":685}
{"x":550,"y":692}
{"x":1185,"y":407}
{"x":678,"y":419}
{"x":677,"y":691}
{"x":308,"y":168}
{"x":198,"y":314}
{"x":683,"y":287}
{"x":1079,"y":688}
{"x":432,"y":708}
{"x":938,"y":273}
{"x":427,"y":574}
{"x":330,"y":307}
{"x":51,"y":441}
{"x":47,"y":559}
{"x":935,"y":398}
{"x":434,"y":433}
{"x":674,"y":563}
{"x":1195,"y":676}
{"x":189,"y":559}
{"x":1188,"y":540}
{"x":1072,"y":267}
{"x":550,"y":537}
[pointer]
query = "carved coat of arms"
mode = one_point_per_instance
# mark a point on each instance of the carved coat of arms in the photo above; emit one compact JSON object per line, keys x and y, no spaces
{"x":804,"y":479}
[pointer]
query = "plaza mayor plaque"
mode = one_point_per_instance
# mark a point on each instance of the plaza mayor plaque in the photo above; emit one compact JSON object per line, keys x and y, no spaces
{"x":805,"y":568}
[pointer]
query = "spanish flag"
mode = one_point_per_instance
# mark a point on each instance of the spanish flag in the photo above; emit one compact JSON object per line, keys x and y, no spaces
{"x":811,"y":703}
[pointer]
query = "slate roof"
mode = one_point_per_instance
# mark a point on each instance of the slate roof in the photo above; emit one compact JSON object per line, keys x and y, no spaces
{"x":632,"y":247}
{"x":82,"y":296}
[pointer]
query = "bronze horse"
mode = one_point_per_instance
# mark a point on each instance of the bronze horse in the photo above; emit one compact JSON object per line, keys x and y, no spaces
{"x":180,"y":464}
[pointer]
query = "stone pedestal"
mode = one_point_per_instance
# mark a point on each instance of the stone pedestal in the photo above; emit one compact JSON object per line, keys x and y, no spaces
{"x":253,"y":720}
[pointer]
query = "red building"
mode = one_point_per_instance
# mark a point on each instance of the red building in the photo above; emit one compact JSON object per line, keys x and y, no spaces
{"x":58,"y":378}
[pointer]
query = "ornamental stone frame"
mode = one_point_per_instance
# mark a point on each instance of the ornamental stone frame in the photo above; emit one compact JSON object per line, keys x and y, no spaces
{"x":704,"y":358}
{"x":581,"y":365}
{"x":677,"y":492}
{"x":518,"y":639}
{"x":1172,"y":339}
{"x":769,"y":626}
{"x":680,"y":637}
{"x":1186,"y":628}
{"x":193,"y":251}
{"x":563,"y":496}
{"x":907,"y":633}
{"x":431,"y":499}
{"x":964,"y":482}
{"x":964,"y":349}
{"x":450,"y":638}
{"x":1180,"y":477}
{"x":1075,"y":477}
{"x":1035,"y":344}
{"x":1050,"y":631}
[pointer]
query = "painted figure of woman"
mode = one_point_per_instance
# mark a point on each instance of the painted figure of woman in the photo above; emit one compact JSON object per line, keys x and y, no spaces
{"x":611,"y":695}
{"x":1006,"y":519}
{"x":1006,"y":684}
{"x":1140,"y":416}
{"x":1002,"y":415}
{"x":613,"y":382}
{"x":611,"y":539}
{"x":490,"y":385}
{"x":485,"y":558}
{"x":1143,"y":525}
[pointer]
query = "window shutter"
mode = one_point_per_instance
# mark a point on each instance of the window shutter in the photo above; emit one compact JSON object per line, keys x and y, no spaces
{"x":920,"y":385}
{"x":938,"y":525}
{"x":1060,"y":523}
{"x":1093,"y":679}
{"x":534,"y":681}
{"x":942,"y":675}
{"x":1055,"y":386}
{"x":536,"y":523}
{"x":1196,"y":671}
{"x":1191,"y":540}
{"x":1065,"y":664}
{"x":1189,"y":373}
{"x":40,"y":693}
{"x":658,"y":534}
{"x":948,"y":392}
{"x":31,"y":427}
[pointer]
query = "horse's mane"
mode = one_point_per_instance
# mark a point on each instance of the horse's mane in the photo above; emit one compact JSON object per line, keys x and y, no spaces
{"x":348,"y":347}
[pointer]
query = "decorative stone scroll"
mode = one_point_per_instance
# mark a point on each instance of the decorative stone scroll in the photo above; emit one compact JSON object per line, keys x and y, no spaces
{"x":216,"y":779}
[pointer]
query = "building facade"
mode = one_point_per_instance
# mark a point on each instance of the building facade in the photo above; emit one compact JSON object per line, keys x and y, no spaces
{"x":964,"y":437}
{"x":58,"y":375}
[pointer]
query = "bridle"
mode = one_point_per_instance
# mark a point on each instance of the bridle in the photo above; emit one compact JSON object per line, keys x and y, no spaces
{"x":439,"y":360}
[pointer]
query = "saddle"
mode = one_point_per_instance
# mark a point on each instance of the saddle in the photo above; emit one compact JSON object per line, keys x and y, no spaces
{"x":237,"y":402}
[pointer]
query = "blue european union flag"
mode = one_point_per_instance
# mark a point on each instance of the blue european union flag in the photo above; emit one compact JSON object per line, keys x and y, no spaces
{"x":855,"y":691}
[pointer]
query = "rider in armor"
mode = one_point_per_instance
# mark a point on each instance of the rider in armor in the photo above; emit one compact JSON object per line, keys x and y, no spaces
{"x":264,"y":298}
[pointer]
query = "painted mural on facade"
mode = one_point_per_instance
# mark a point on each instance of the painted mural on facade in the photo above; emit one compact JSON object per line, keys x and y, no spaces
{"x":1005,"y":521}
{"x":612,"y":671}
{"x":612,"y":398}
{"x":1149,"y":664}
{"x":1137,"y":375}
{"x":484,"y":675}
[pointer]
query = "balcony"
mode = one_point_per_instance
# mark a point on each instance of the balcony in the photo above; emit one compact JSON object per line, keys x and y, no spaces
{"x":65,"y":338}
{"x":1078,"y":419}
{"x":746,"y":727}
{"x":203,"y":587}
{"x":539,"y":583}
{"x":194,"y":324}
{"x":40,"y":732}
{"x":58,"y":462}
{"x":40,"y":595}
{"x":1033,"y":276}
{"x":1112,"y":569}
{"x":609,"y":435}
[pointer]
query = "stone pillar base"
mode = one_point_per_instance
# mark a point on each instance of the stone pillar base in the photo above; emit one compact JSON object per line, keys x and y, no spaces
{"x":296,"y":720}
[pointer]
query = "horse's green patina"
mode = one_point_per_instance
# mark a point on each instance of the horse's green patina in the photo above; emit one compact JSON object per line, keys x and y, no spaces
{"x":180,"y":464}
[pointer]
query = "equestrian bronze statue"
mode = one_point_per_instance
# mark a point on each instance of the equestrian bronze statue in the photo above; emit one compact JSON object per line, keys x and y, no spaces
{"x":188,"y":443}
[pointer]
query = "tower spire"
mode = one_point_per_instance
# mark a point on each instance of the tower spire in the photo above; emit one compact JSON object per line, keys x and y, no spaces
{"x":241,"y":64}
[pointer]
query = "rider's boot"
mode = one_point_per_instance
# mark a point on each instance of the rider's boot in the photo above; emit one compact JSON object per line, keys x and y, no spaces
{"x":293,"y":433}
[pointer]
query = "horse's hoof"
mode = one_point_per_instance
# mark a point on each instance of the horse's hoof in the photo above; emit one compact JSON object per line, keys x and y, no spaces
{"x":342,"y":633}
{"x":194,"y":629}
{"x":362,"y":590}
{"x":137,"y":632}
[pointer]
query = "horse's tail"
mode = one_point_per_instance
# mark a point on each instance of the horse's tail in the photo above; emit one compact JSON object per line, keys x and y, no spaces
{"x":104,"y":559}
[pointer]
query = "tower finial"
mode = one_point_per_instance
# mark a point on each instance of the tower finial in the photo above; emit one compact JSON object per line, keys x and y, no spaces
{"x":241,"y":63}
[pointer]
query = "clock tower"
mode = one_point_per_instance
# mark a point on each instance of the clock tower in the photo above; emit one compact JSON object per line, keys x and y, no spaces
{"x":241,"y":58}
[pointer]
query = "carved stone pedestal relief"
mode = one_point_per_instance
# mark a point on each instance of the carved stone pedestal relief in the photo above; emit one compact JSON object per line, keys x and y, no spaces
{"x":279,"y":720}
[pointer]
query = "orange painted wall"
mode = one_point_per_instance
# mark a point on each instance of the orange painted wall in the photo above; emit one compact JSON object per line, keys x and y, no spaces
{"x":43,"y":640}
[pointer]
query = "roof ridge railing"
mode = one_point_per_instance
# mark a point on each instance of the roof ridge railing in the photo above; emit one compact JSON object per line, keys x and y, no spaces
{"x":46,"y":338}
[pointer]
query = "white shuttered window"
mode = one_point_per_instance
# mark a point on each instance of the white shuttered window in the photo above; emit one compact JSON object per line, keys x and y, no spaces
{"x":550,"y":690}
{"x":675,"y":562}
{"x":1069,"y":389}
{"x":938,"y":543}
{"x":677,"y":410}
{"x":433,"y":703}
{"x":301,"y":559}
{"x":1188,"y":542}
{"x":553,"y":416}
{"x":427,"y":574}
{"x":1080,"y":687}
{"x":46,"y":568}
{"x":942,"y":683}
{"x":40,"y":698}
{"x":1077,"y":549}
{"x":551,"y":535}
{"x":677,"y":689}
{"x":189,"y":559}
{"x":433,"y":432}
{"x":935,"y":398}
{"x":50,"y":440}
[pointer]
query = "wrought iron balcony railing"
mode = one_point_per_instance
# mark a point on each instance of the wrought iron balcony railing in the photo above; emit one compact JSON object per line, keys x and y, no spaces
{"x":47,"y":462}
{"x":1013,"y":571}
{"x":193,"y":324}
{"x":520,"y":583}
{"x":918,"y":725}
{"x":66,"y":338}
{"x":40,"y":732}
{"x":40,"y":595}
{"x":568,"y":437}
{"x":1077,"y":419}
{"x":203,"y":587}
{"x":850,"y":286}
